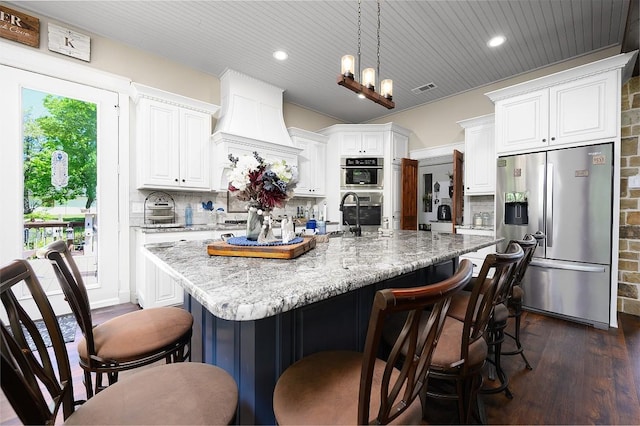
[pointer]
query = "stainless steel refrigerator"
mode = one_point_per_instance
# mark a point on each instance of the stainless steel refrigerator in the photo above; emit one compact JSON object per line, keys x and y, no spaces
{"x":567,"y":194}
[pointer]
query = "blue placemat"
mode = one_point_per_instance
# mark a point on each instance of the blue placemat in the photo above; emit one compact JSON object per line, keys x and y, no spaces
{"x":242,"y":241}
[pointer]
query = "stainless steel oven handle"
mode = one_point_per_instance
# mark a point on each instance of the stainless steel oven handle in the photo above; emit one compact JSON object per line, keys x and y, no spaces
{"x":363,"y":167}
{"x":363,"y":204}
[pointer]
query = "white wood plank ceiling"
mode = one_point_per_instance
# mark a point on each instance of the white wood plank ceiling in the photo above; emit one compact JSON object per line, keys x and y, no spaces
{"x":443,"y":42}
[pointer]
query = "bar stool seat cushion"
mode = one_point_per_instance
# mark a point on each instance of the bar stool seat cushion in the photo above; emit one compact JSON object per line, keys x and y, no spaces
{"x":447,"y":353}
{"x":150,"y":329}
{"x":323,"y":388}
{"x":500,"y":313}
{"x":206,"y":395}
{"x":459,"y":303}
{"x":517,"y":293}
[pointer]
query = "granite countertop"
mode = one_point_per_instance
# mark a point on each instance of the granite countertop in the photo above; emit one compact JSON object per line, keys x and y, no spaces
{"x":244,"y":289}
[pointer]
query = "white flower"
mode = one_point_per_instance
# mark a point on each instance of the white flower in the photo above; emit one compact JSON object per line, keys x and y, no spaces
{"x":239,"y":175}
{"x":282,"y":170}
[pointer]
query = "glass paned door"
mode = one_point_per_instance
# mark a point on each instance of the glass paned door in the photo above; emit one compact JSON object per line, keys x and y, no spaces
{"x":61,"y":174}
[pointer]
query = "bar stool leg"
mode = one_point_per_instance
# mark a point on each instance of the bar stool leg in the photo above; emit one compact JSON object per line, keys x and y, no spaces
{"x":516,"y":336}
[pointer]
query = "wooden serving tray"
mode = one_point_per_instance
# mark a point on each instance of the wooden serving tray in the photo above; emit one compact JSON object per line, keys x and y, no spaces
{"x":290,"y":251}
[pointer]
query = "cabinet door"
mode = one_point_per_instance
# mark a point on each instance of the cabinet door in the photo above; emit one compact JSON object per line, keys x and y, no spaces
{"x":195,"y":129}
{"x":351,"y":144}
{"x":522,"y":122}
{"x":372,"y":144}
{"x":396,"y":196}
{"x":162,"y":290}
{"x":479,"y":160}
{"x":320,"y":165}
{"x":159,"y":148}
{"x":400,"y":147}
{"x":584,"y":109}
{"x":311,"y":168}
{"x":305,"y":164}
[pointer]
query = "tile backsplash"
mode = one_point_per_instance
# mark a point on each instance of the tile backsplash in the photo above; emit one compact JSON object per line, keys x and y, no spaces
{"x":478,"y":204}
{"x":218,"y":199}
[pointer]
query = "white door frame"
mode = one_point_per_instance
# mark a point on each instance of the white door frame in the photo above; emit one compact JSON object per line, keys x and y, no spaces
{"x":45,"y":64}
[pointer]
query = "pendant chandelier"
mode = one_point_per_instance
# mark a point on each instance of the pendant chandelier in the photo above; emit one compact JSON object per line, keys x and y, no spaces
{"x":366,"y":88}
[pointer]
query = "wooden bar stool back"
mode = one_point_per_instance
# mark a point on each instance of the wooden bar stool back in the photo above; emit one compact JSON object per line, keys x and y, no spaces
{"x":462,"y":350}
{"x":343,"y":387}
{"x":128,"y":341}
{"x":39,"y":383}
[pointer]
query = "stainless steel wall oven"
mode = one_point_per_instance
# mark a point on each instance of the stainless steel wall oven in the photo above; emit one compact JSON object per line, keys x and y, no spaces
{"x":362,"y":173}
{"x":370,"y":210}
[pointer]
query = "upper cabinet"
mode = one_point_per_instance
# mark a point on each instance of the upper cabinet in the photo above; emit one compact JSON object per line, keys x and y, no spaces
{"x":399,"y":146}
{"x":312,"y":162}
{"x":569,"y":107}
{"x":362,"y":144}
{"x":479,"y":155}
{"x":173,"y":147}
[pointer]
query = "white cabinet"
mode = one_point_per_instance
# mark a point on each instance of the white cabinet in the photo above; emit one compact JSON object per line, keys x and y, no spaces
{"x":359,"y":144}
{"x":396,"y":196}
{"x":154,"y":287}
{"x":584,"y":109}
{"x":312,"y":162}
{"x":388,"y":141}
{"x":173,"y":147}
{"x":399,"y":147}
{"x":477,"y":258}
{"x":571,"y":107}
{"x":479,"y":155}
{"x":522,"y":122}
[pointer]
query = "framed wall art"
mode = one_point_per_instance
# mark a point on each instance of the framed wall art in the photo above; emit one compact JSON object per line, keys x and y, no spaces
{"x":234,"y":205}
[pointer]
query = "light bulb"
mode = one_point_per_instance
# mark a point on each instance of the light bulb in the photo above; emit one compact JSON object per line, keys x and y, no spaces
{"x":348,"y":66}
{"x":386,"y":88}
{"x":369,"y":78}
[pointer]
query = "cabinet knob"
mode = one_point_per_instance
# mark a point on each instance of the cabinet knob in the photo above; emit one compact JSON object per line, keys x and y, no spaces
{"x":183,"y":180}
{"x":544,"y":140}
{"x":176,"y":179}
{"x":553,"y":138}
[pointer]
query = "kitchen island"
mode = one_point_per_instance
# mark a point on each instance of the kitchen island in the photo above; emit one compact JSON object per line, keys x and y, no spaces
{"x":255,"y":317}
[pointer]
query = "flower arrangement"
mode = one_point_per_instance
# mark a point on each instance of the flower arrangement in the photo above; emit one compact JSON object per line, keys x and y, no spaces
{"x":267,"y":183}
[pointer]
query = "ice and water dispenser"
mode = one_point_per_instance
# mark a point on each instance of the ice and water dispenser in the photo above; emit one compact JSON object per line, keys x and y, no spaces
{"x":516,"y":208}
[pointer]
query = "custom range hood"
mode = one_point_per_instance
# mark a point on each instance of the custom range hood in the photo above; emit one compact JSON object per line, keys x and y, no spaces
{"x":250,"y":120}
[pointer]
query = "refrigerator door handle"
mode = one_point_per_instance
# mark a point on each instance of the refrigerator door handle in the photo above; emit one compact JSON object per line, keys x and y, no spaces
{"x":567,"y":265}
{"x":549,"y":236}
{"x":541,"y":197}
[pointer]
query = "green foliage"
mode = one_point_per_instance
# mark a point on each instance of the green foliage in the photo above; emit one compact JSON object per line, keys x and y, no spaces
{"x":70,"y":127}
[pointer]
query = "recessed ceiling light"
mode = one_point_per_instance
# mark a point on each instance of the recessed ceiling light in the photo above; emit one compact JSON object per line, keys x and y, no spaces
{"x":496,"y":41}
{"x":280,"y":55}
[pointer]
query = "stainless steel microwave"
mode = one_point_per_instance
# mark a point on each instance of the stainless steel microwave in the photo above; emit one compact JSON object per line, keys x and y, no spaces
{"x":361,"y":173}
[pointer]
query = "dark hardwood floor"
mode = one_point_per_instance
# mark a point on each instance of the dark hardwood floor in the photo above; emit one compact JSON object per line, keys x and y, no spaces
{"x":580,"y":375}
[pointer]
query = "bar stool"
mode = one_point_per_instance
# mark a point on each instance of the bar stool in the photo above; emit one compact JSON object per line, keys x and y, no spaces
{"x":128,"y":341}
{"x":514,"y":302}
{"x":345,"y":387}
{"x":462,"y":349}
{"x":38,"y":385}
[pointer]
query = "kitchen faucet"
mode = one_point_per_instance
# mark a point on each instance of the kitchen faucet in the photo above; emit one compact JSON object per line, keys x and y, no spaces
{"x":357,"y":230}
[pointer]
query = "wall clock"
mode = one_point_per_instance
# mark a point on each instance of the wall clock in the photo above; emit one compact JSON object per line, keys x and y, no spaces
{"x":69,"y":42}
